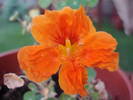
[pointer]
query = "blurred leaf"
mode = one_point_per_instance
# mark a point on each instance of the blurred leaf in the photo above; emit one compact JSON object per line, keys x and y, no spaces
{"x":66,"y":97}
{"x":95,"y":96}
{"x":11,"y":6}
{"x":73,"y":3}
{"x":51,"y":99}
{"x":91,"y":74}
{"x":60,"y":4}
{"x":32,"y":87}
{"x":92,"y":3}
{"x":38,"y":96}
{"x":89,"y":87}
{"x":83,"y":2}
{"x":76,"y":3}
{"x":44,"y":3}
{"x":29,"y":96}
{"x":70,"y":3}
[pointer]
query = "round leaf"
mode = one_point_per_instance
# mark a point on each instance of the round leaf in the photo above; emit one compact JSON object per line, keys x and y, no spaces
{"x":44,"y":3}
{"x":73,"y":3}
{"x":60,"y":4}
{"x":38,"y":96}
{"x":29,"y":96}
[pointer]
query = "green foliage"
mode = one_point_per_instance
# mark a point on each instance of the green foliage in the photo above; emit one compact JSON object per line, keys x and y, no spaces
{"x":60,"y":4}
{"x":33,"y":94}
{"x":11,"y":6}
{"x":11,"y":36}
{"x":84,"y":2}
{"x":66,"y":97}
{"x":51,"y":99}
{"x":29,"y":96}
{"x":89,"y":87}
{"x":75,"y":3}
{"x":44,"y":3}
{"x":91,"y":74}
{"x":95,"y":96}
{"x":92,"y":3}
{"x":38,"y":96}
{"x":32,"y":87}
{"x":70,"y":3}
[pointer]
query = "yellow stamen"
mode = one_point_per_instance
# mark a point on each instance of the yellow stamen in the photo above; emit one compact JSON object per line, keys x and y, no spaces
{"x":66,"y":50}
{"x":68,"y":43}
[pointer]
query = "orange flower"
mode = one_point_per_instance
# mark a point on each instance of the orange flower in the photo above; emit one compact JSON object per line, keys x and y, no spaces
{"x":68,"y":43}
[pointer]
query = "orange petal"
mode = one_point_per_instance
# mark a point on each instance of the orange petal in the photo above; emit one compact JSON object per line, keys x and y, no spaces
{"x":38,"y":62}
{"x":55,"y":26}
{"x":97,"y":50}
{"x":82,"y":24}
{"x":100,"y":40}
{"x":104,"y":59}
{"x":42,"y":30}
{"x":72,"y":78}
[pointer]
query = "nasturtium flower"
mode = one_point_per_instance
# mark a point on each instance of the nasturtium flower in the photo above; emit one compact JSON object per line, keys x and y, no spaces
{"x":68,"y":44}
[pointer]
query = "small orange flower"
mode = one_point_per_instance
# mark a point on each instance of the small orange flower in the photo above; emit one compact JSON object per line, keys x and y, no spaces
{"x":68,"y":42}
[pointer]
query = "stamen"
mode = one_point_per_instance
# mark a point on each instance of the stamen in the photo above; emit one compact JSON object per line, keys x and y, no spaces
{"x":68,"y":43}
{"x":68,"y":46}
{"x":66,"y":50}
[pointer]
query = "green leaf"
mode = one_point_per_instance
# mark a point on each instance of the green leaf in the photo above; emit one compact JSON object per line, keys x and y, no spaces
{"x":29,"y":96}
{"x":91,"y":74}
{"x":89,"y":87}
{"x":83,"y":2}
{"x":38,"y":96}
{"x":44,"y":3}
{"x":73,"y":3}
{"x":60,"y":4}
{"x":92,"y":3}
{"x":95,"y":96}
{"x":66,"y":97}
{"x":32,"y":87}
{"x":52,"y":99}
{"x":70,"y":3}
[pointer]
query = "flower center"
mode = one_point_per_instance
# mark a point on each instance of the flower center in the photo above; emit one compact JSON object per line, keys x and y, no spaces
{"x":67,"y":48}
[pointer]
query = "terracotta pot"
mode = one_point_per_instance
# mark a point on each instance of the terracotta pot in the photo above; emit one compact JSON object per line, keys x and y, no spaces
{"x":8,"y":63}
{"x":117,"y":83}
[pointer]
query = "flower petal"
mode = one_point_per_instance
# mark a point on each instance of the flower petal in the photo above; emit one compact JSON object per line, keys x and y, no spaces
{"x":100,"y":40}
{"x":42,"y":30}
{"x":82,"y":24}
{"x":55,"y":26}
{"x":72,"y":78}
{"x":97,"y":50}
{"x":38,"y":62}
{"x":104,"y":59}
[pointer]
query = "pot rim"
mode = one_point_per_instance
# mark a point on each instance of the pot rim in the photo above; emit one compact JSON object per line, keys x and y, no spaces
{"x":130,"y":87}
{"x":8,"y":52}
